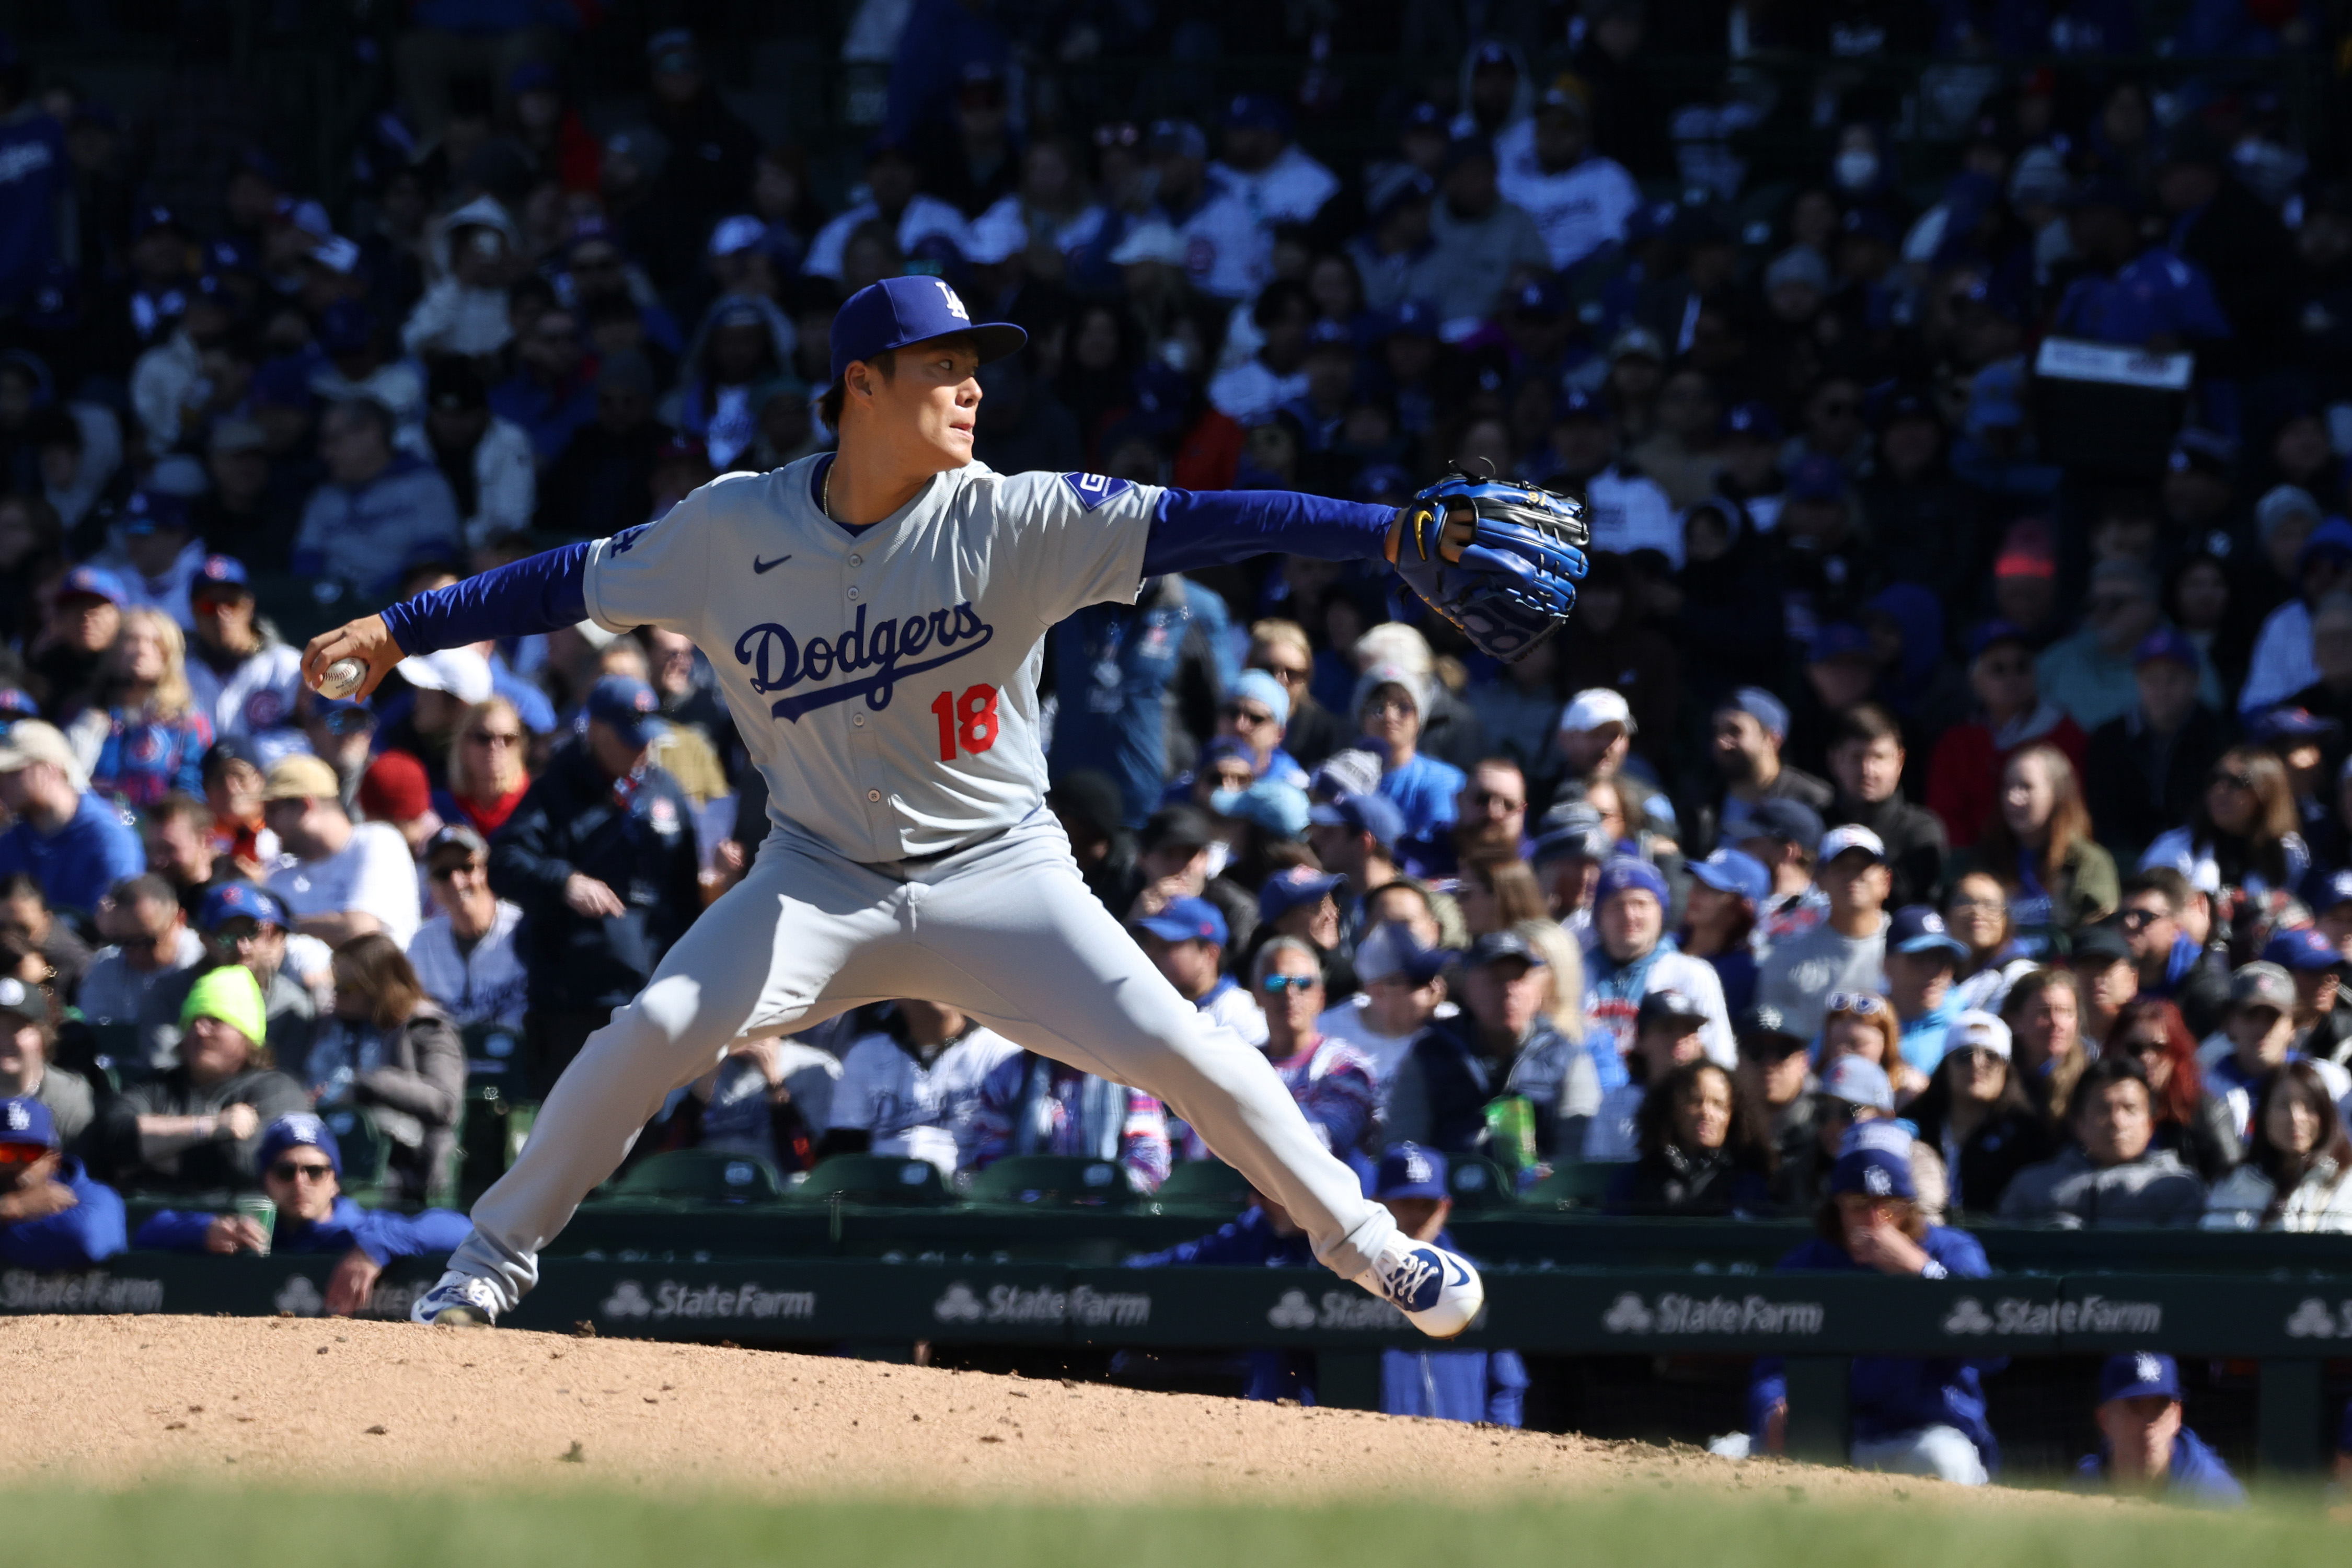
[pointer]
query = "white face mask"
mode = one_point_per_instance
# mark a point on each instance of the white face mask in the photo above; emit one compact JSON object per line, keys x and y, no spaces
{"x":1855,"y":168}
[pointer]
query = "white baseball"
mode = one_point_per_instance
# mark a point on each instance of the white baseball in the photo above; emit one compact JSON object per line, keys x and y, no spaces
{"x":342,"y":677}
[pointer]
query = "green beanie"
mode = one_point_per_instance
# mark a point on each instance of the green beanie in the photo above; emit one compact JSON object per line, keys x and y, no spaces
{"x":231,"y":994}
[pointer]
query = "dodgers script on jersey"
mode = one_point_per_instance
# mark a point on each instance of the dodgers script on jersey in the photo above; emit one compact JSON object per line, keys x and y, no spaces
{"x":884,"y":680}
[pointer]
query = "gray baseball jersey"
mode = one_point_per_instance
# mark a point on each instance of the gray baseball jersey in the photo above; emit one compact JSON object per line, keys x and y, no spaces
{"x":885,"y":680}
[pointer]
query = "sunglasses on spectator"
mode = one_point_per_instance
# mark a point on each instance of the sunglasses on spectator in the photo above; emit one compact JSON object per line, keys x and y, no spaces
{"x":1973,"y":906}
{"x":1252,"y":717}
{"x":1485,"y":800}
{"x":298,"y":1170}
{"x":1861,"y":1003}
{"x":1275,"y":985}
{"x":2140,"y":920}
{"x":1288,"y":674}
{"x":2138,"y":1046}
{"x":22,"y":1153}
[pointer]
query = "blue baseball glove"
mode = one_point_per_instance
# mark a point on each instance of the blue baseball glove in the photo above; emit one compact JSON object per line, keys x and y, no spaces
{"x":1516,"y":581}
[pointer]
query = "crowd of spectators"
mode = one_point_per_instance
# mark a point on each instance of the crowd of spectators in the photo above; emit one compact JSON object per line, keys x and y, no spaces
{"x":1916,"y":756}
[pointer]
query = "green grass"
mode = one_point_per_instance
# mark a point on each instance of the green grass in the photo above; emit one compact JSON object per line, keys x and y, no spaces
{"x":227,"y":1529}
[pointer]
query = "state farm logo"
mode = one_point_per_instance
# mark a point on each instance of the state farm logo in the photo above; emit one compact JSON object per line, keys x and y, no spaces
{"x":673,"y":1299}
{"x":2312,"y":1319}
{"x":1676,"y":1314}
{"x":2091,"y":1315}
{"x":1349,"y":1310}
{"x":300,"y":1297}
{"x":1083,"y":1306}
{"x":93,"y":1291}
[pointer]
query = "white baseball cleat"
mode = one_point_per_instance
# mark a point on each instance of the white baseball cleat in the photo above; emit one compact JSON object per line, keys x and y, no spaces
{"x":1438,"y":1292}
{"x":459,"y":1300}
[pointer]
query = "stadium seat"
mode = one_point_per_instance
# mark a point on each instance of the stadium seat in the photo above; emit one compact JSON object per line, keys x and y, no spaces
{"x":1577,"y":1186}
{"x":1478,"y":1183}
{"x":703,"y":1176}
{"x":873,"y":1179}
{"x":1203,"y":1184}
{"x":1053,"y":1180}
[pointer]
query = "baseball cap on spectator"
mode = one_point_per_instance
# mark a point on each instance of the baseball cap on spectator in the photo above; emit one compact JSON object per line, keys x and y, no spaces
{"x":1595,"y":706}
{"x":1975,"y":1030}
{"x":1799,"y":264}
{"x":1226,"y":749}
{"x":1851,"y":836}
{"x":1754,"y":421}
{"x":1574,"y":404}
{"x":26,"y":1121}
{"x":1178,"y":828}
{"x":1636,"y":342}
{"x":1858,"y":1081}
{"x":1410,"y":1170}
{"x":1789,"y":821}
{"x":1297,"y":885}
{"x":1873,"y":1157}
{"x":1497,"y":945}
{"x":2331,"y":540}
{"x":301,"y":777}
{"x":1841,"y":639}
{"x":1917,"y":928}
{"x":1180,"y":137}
{"x":1992,"y":632}
{"x":1541,"y":298}
{"x":394,"y":789}
{"x":2165,"y":642}
{"x":2330,"y":892}
{"x":93,"y":583}
{"x":1733,"y":871}
{"x":231,"y":994}
{"x":1760,"y":705}
{"x":2281,"y":502}
{"x":227,"y":901}
{"x":30,"y":740}
{"x":2301,"y":949}
{"x":1412,"y":318}
{"x":629,"y":706}
{"x":2206,"y":451}
{"x":29,"y":1004}
{"x":2288,"y":722}
{"x":299,"y":1130}
{"x":2099,"y":945}
{"x":455,"y":835}
{"x":897,"y":311}
{"x":733,"y":235}
{"x":1259,"y":686}
{"x":1187,"y":920}
{"x":1366,"y":812}
{"x":342,"y":716}
{"x":154,"y":512}
{"x":1256,"y":111}
{"x":462,"y":672}
{"x":1150,"y":241}
{"x":1570,"y":828}
{"x":1671,"y":1010}
{"x":220,"y":577}
{"x":2262,"y":984}
{"x":1817,"y":477}
{"x":1268,"y":804}
{"x":1625,"y":873}
{"x":1389,"y":953}
{"x":2138,"y":1373}
{"x":1997,"y":397}
{"x":1764,"y":1033}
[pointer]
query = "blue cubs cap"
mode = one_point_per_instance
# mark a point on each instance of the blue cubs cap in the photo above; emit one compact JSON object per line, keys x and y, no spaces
{"x":901,"y":311}
{"x":2286,"y":722}
{"x":1389,"y":951}
{"x":1497,"y":945}
{"x":1540,"y":297}
{"x":1840,"y":639}
{"x":1292,"y":887}
{"x":1624,"y":873}
{"x":95,"y":582}
{"x":2301,"y":949}
{"x":1187,"y":920}
{"x":1791,"y":821}
{"x":1735,"y":872}
{"x":2334,"y":889}
{"x":299,"y":1130}
{"x":628,"y":705}
{"x":27,"y":1120}
{"x":148,"y":511}
{"x":2137,"y":1373}
{"x":1917,"y":928}
{"x":1410,"y":1170}
{"x":1752,"y":419}
{"x":1816,"y":476}
{"x":1992,"y":632}
{"x":217,"y":573}
{"x":1373,"y":813}
{"x":2165,"y":642}
{"x":1873,"y":1157}
{"x":227,"y":901}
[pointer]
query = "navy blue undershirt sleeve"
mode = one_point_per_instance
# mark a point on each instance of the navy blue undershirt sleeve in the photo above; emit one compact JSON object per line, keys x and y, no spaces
{"x":537,"y":594}
{"x":1192,"y":528}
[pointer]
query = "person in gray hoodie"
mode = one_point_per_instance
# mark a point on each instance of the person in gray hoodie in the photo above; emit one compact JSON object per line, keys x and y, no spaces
{"x":2113,"y":1174}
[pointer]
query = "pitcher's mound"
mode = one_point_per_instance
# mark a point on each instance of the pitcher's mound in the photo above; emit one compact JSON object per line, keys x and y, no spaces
{"x":121,"y":1402}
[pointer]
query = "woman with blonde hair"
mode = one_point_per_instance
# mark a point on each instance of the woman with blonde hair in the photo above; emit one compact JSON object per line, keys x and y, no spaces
{"x":149,"y":739}
{"x":487,"y":775}
{"x":1498,"y":893}
{"x":1554,"y":1070}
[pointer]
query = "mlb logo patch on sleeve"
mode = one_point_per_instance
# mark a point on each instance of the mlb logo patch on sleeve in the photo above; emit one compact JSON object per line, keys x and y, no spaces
{"x":1093,"y":490}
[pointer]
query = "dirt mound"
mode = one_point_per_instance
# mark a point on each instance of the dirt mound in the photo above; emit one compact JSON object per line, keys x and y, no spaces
{"x":120,"y":1401}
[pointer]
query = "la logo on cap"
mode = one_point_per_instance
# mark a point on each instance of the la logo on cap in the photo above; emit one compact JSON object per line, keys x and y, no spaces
{"x":955,"y":305}
{"x":19,"y":1119}
{"x":2149,"y":1369}
{"x":1416,"y":1168}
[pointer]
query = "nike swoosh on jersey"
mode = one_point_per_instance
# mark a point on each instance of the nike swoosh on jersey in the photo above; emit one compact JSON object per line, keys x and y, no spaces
{"x":760,"y":566}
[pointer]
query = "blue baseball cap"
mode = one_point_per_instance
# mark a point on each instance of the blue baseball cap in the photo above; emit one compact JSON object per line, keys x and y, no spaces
{"x":148,"y":511}
{"x":2304,"y":949}
{"x":2332,"y":538}
{"x":1760,"y":705}
{"x":27,"y":1120}
{"x":1841,"y":639}
{"x":1752,"y":419}
{"x":1497,"y":945}
{"x":1417,"y":317}
{"x":2334,"y":889}
{"x":220,"y":572}
{"x":2137,"y":1373}
{"x":1188,"y":920}
{"x":95,"y":582}
{"x":1260,"y":686}
{"x":1268,"y":804}
{"x":901,"y":311}
{"x":1873,"y":1157}
{"x":2166,"y":642}
{"x":227,"y":901}
{"x":1288,"y":890}
{"x":1736,"y":872}
{"x":1992,"y":632}
{"x":301,"y":1129}
{"x":1389,"y":951}
{"x":1226,"y":749}
{"x":1817,"y":477}
{"x":629,"y":706}
{"x":1625,"y":873}
{"x":1257,"y":111}
{"x":2284,"y":722}
{"x":1373,"y":813}
{"x":1917,"y":928}
{"x":1790,"y":820}
{"x":1410,"y":1170}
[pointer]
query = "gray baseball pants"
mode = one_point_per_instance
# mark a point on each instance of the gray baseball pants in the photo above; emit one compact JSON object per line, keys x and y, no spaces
{"x":1005,"y":932}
